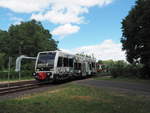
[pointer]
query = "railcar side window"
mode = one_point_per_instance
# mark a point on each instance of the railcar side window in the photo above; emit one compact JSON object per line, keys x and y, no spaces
{"x":75,"y":65}
{"x":90,"y":66}
{"x":70,"y":62}
{"x":93,"y":65}
{"x":79,"y":66}
{"x":66,"y":62}
{"x":60,"y":62}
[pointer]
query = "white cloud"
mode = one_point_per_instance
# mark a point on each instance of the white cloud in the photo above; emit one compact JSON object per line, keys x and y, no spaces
{"x":54,"y":11}
{"x":24,"y":6}
{"x":104,"y":51}
{"x":28,"y":6}
{"x":68,"y":11}
{"x":64,"y":12}
{"x":66,"y":29}
{"x":59,"y":17}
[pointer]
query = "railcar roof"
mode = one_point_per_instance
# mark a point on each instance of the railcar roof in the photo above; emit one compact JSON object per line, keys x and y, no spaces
{"x":77,"y":56}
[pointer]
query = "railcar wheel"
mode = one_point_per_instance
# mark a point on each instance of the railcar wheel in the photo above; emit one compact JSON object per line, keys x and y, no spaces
{"x":55,"y":79}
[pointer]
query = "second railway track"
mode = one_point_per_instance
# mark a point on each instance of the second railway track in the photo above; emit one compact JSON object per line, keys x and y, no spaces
{"x":14,"y":89}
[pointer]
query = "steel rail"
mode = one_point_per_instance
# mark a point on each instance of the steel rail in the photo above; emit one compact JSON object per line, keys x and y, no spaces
{"x":14,"y":89}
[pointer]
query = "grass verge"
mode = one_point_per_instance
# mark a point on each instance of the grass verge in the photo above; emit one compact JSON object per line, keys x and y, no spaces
{"x":73,"y":98}
{"x":16,"y":79}
{"x":123,"y":79}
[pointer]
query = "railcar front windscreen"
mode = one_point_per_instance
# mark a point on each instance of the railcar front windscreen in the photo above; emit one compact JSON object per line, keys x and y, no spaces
{"x":46,"y":61}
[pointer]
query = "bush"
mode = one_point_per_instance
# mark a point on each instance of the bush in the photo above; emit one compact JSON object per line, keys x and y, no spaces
{"x":123,"y":69}
{"x":15,"y":75}
{"x":117,"y":68}
{"x":126,"y":71}
{"x":103,"y":74}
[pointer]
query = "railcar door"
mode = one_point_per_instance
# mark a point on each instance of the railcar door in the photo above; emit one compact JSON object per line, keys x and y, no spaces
{"x":83,"y":69}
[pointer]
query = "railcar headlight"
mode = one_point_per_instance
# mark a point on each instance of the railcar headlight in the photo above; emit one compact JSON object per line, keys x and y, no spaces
{"x":48,"y":74}
{"x":33,"y":74}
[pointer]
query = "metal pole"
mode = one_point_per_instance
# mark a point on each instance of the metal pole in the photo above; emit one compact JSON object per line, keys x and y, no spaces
{"x":20,"y":71}
{"x":9,"y":64}
{"x":19,"y":75}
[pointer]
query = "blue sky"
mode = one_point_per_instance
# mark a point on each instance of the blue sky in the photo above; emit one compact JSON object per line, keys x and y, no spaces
{"x":103,"y":23}
{"x":89,"y":26}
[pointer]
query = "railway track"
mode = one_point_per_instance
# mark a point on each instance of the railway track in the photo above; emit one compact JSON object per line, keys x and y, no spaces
{"x":17,"y":83}
{"x":14,"y":89}
{"x":21,"y":86}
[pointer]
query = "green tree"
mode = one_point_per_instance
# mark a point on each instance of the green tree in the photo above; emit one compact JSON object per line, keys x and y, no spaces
{"x":29,"y":38}
{"x":108,"y":63}
{"x":100,"y":62}
{"x":4,"y":48}
{"x":2,"y":61}
{"x":4,"y":41}
{"x":136,"y":35}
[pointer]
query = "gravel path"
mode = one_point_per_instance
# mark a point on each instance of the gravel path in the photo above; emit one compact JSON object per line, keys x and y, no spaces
{"x":136,"y":88}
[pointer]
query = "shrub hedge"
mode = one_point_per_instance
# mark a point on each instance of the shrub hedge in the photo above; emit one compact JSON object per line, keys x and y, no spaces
{"x":122,"y":69}
{"x":15,"y":75}
{"x":125,"y":71}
